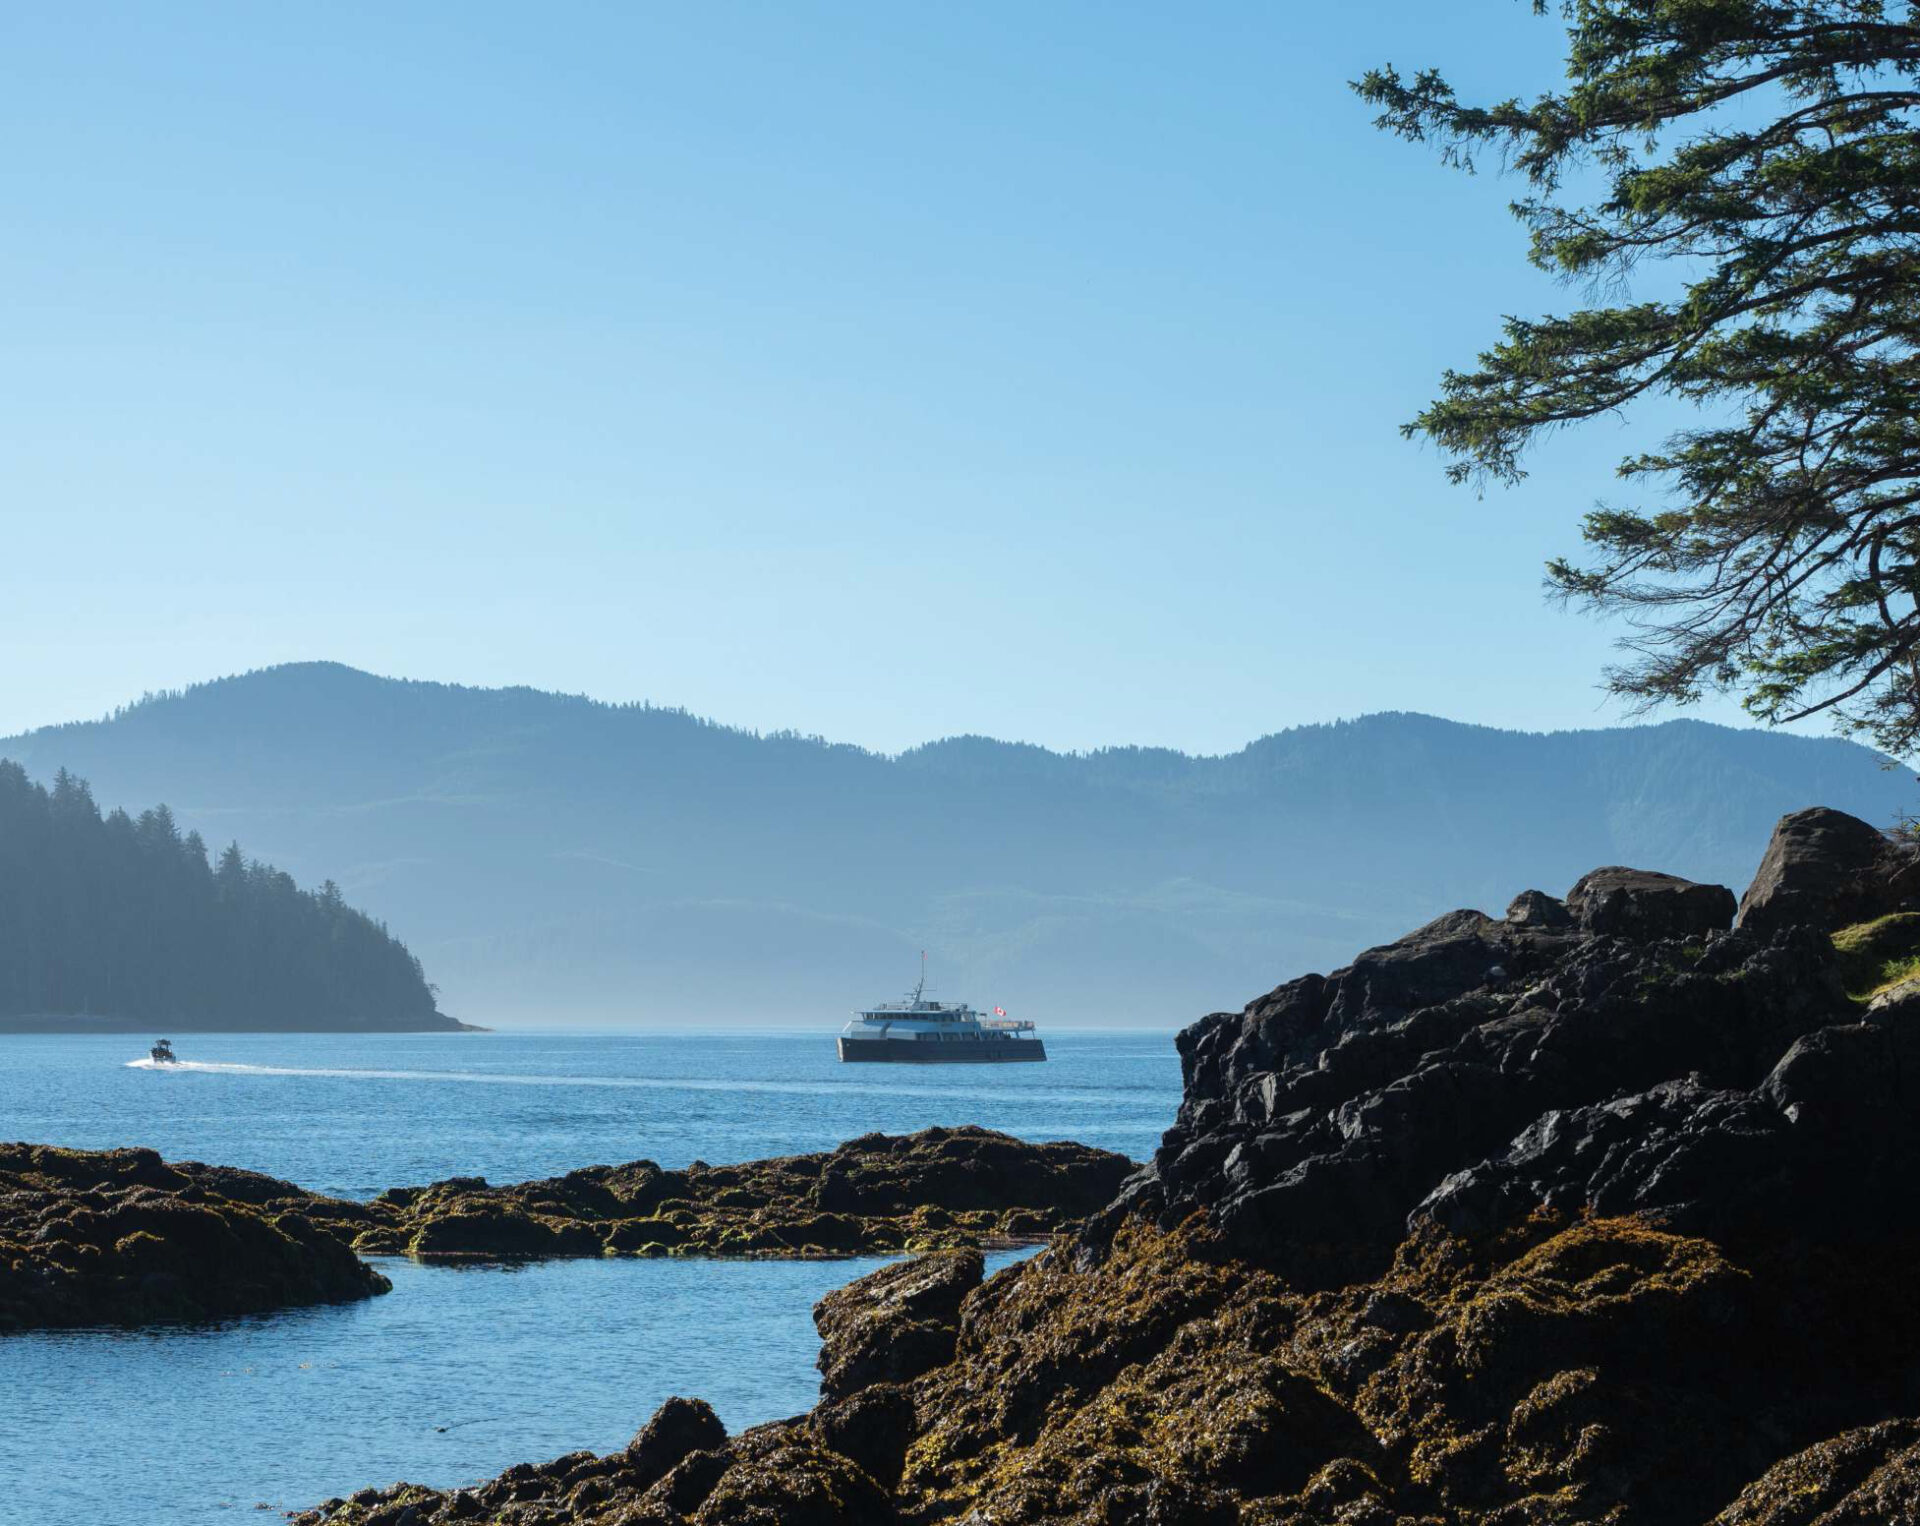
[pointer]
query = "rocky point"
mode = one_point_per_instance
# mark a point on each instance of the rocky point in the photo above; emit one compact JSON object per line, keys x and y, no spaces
{"x":1599,"y":1211}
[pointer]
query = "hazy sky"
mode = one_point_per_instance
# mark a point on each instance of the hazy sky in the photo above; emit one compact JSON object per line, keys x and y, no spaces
{"x":880,"y":370}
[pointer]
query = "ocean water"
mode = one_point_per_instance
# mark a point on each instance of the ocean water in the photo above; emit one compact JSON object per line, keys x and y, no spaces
{"x":351,"y":1115}
{"x":449,"y":1378}
{"x":460,"y":1372}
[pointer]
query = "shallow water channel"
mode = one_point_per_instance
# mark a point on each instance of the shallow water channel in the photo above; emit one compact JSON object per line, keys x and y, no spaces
{"x":456,"y":1374}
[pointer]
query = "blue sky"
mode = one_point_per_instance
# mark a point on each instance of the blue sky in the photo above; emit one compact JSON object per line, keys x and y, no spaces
{"x":885,"y":371}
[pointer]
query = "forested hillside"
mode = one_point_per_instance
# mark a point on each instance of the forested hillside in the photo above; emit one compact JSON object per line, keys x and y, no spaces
{"x":112,"y":917}
{"x":554,"y":859}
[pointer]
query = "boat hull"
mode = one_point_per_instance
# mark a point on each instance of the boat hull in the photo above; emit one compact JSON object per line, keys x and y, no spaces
{"x":890,"y":1051}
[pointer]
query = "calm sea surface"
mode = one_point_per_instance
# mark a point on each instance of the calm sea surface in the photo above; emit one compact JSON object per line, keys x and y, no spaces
{"x":460,"y":1372}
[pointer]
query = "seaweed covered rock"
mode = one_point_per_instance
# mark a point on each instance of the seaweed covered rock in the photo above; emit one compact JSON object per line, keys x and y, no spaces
{"x":122,"y":1237}
{"x":1567,"y":1372}
{"x":873,"y":1195}
{"x":872,"y":1427}
{"x":682,"y":1470}
{"x":1599,"y":1214}
{"x":1865,"y":1476}
{"x":1580,"y":1371}
{"x":894,"y":1324}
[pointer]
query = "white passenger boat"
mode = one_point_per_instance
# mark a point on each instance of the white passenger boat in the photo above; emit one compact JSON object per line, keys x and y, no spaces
{"x":917,"y":1031}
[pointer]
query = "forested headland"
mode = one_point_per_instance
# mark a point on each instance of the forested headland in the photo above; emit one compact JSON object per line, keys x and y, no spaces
{"x":112,"y":921}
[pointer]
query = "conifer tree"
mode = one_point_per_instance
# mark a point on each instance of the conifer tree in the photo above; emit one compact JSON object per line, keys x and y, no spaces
{"x":1768,"y":150}
{"x":117,"y":917}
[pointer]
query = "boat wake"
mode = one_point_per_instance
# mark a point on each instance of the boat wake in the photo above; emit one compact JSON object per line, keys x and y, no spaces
{"x":646,"y":1083}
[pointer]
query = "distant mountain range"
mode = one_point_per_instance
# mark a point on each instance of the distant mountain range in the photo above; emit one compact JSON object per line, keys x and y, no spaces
{"x":553,"y":859}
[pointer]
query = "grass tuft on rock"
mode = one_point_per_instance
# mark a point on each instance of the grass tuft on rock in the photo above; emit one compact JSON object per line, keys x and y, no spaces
{"x":1878,"y":954}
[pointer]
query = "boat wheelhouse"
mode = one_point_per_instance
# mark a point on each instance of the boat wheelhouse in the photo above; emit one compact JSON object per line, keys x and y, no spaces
{"x":917,"y":1031}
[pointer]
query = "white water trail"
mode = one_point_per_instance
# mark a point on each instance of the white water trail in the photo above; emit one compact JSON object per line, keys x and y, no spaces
{"x":649,"y":1083}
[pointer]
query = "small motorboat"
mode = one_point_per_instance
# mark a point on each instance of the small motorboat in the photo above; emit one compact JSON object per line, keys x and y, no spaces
{"x":163,"y":1054}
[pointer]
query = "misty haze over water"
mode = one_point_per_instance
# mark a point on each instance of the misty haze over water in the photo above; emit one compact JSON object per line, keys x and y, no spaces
{"x":557,"y":861}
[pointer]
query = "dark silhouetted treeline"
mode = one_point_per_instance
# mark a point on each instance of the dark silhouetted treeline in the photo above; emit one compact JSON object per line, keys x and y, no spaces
{"x":124,"y":917}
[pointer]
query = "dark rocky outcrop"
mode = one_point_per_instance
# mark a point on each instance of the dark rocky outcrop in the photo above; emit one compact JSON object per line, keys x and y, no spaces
{"x":1538,"y":910}
{"x":876,"y":1194}
{"x":1637,"y":903}
{"x":1818,"y":1150}
{"x":677,"y":1430}
{"x":121,"y":1237}
{"x":1602,"y":1214}
{"x":1317,"y":1120}
{"x":1825,"y":868}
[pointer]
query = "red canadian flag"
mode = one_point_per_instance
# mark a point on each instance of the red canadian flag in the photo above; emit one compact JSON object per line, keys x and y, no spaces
{"x":999,"y":1011}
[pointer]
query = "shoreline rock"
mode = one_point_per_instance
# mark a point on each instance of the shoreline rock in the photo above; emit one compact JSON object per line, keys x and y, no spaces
{"x":121,"y":1237}
{"x":1600,"y":1215}
{"x":879,"y":1194}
